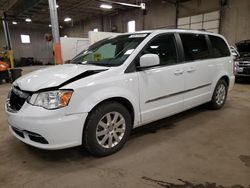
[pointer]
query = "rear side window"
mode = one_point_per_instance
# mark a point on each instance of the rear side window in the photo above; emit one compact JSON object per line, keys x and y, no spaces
{"x":195,"y":46}
{"x":219,"y":47}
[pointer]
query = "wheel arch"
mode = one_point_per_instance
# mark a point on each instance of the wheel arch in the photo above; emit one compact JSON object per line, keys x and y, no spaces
{"x":226,"y":78}
{"x":123,"y":101}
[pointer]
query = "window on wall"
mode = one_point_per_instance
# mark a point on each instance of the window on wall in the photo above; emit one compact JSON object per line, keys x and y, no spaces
{"x":25,"y":39}
{"x":209,"y":21}
{"x":131,"y":26}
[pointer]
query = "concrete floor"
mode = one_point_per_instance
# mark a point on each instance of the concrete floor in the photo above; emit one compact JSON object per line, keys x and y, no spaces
{"x":197,"y":146}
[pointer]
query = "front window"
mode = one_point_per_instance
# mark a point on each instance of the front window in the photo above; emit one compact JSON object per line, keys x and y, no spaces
{"x":163,"y":46}
{"x":110,"y":52}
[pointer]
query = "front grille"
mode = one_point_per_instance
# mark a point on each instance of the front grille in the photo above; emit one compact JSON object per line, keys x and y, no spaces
{"x":244,"y":64}
{"x":17,"y":99}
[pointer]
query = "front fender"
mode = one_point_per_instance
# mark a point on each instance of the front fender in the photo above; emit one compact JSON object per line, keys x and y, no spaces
{"x":85,"y":98}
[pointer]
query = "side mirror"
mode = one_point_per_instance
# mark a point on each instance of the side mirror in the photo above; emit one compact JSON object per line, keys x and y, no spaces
{"x":149,"y":60}
{"x":234,"y":54}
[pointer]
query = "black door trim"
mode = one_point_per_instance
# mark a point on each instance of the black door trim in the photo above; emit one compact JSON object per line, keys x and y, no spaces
{"x":178,"y":93}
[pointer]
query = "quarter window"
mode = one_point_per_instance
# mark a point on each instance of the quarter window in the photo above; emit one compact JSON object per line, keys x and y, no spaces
{"x":164,"y":46}
{"x":219,"y":47}
{"x":195,"y":47}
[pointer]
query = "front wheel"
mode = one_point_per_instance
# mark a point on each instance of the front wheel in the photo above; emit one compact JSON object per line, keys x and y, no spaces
{"x":107,"y":129}
{"x":219,"y":95}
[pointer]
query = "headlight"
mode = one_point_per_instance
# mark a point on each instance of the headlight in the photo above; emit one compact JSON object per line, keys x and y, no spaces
{"x":51,"y":99}
{"x":236,"y":63}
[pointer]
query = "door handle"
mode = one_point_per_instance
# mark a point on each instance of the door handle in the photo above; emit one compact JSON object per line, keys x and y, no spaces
{"x":178,"y":72}
{"x":191,"y":69}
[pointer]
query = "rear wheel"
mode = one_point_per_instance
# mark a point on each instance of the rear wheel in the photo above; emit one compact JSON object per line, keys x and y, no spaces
{"x":219,"y":95}
{"x":107,"y":129}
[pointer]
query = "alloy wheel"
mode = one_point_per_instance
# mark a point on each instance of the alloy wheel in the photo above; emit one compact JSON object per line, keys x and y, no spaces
{"x":110,"y":129}
{"x":220,"y":94}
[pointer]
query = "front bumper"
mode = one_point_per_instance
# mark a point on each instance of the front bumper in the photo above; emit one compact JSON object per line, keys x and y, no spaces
{"x":242,"y":71}
{"x":35,"y":125}
{"x":242,"y":75}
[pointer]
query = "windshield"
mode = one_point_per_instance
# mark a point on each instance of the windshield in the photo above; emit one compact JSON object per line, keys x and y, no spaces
{"x":110,"y":52}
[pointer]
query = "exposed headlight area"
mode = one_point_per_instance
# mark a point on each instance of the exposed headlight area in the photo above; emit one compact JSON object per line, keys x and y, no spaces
{"x":51,"y":99}
{"x":16,"y":98}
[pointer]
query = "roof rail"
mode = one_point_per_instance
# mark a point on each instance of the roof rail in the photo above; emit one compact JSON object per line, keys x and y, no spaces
{"x":174,"y":27}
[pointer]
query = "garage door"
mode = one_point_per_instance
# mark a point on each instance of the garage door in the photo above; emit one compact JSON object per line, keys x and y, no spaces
{"x":209,"y":21}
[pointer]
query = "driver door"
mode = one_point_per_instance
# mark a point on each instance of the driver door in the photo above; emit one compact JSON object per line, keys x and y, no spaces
{"x":161,"y":87}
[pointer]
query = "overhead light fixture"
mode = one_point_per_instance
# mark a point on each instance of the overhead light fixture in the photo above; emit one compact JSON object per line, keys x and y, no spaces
{"x":108,"y":2}
{"x":67,"y":19}
{"x":49,"y":25}
{"x":14,"y":23}
{"x":106,"y":6}
{"x":60,"y":26}
{"x":28,"y":20}
{"x":57,"y":6}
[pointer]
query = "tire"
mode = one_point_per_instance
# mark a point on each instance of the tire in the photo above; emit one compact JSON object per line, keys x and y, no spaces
{"x":219,"y":96}
{"x":101,"y":136}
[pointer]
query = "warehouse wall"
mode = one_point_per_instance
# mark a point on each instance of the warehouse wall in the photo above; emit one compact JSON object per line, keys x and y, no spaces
{"x":38,"y":48}
{"x":195,"y":7}
{"x":159,"y":14}
{"x":235,"y":24}
{"x":82,"y":28}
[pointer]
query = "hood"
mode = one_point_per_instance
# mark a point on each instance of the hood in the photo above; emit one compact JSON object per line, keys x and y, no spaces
{"x":243,"y":48}
{"x":56,"y":76}
{"x":243,"y":58}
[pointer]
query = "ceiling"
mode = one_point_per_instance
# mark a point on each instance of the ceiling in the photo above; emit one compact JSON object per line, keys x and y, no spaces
{"x":78,"y":10}
{"x":38,"y":10}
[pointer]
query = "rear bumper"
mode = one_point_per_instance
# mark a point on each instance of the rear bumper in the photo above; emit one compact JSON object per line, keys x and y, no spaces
{"x":50,"y":130}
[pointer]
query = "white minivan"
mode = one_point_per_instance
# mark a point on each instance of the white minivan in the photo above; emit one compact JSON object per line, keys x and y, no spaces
{"x":118,"y":84}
